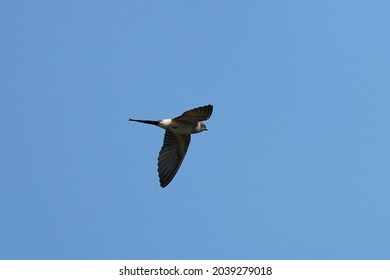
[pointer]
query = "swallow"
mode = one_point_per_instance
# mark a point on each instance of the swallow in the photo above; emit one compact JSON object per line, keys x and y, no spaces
{"x":177,"y":139}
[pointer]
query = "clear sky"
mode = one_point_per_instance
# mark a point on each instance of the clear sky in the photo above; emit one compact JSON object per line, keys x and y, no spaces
{"x":296,"y":162}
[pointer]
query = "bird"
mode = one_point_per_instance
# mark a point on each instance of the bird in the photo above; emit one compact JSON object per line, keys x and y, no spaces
{"x":177,"y":139}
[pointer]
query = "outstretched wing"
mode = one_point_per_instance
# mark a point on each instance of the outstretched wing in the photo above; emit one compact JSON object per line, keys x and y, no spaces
{"x":196,"y":115}
{"x":171,"y":156}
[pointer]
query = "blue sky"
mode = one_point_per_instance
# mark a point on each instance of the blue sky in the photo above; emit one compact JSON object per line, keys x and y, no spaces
{"x":296,"y":162}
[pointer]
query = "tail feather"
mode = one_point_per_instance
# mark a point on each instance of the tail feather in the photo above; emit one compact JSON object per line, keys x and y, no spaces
{"x":145,"y":121}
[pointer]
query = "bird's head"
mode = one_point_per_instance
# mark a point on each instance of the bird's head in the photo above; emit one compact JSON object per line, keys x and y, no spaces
{"x":200,"y":127}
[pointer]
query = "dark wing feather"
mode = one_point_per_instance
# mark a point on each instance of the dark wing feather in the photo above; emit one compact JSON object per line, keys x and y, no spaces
{"x":196,"y":115}
{"x":171,"y":156}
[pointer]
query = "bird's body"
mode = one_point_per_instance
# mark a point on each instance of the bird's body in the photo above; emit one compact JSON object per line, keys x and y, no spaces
{"x":177,"y":139}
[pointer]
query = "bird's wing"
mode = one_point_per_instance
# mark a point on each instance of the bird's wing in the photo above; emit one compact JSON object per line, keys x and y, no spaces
{"x":171,"y":156}
{"x":196,"y":115}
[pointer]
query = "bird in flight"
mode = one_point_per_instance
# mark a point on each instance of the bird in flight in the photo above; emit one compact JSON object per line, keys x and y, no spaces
{"x":177,"y":139}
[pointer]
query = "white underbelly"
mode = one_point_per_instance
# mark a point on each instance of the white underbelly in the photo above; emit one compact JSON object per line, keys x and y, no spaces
{"x":176,"y":127}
